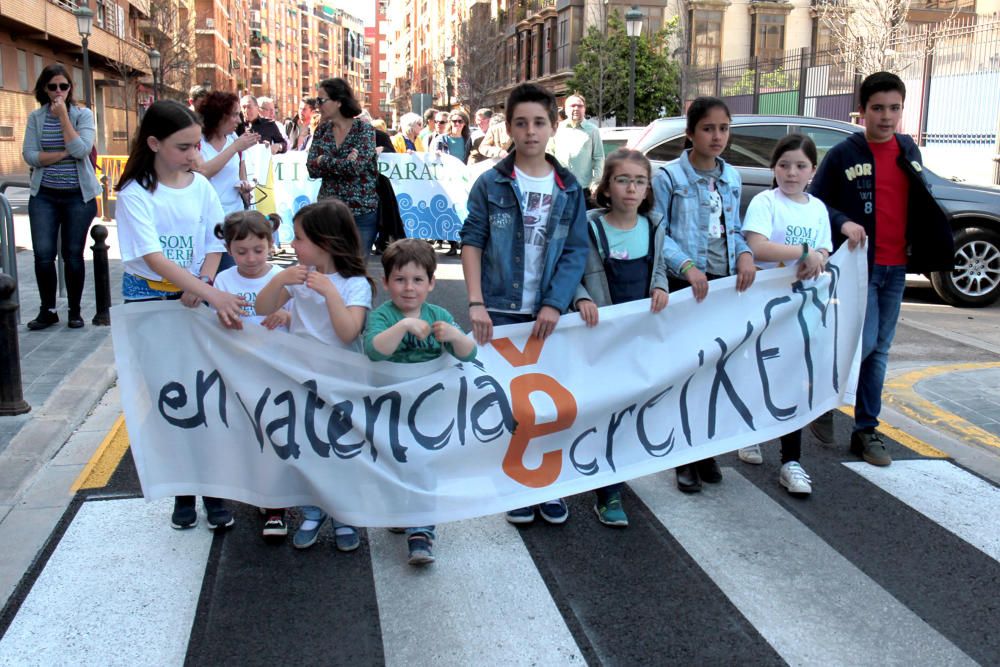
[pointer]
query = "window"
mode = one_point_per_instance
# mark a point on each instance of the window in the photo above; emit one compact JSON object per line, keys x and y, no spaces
{"x":706,"y":37}
{"x":768,"y":35}
{"x":39,"y":65}
{"x":22,"y":70}
{"x":6,"y":133}
{"x":824,"y":138}
{"x":668,"y":150}
{"x":752,"y":145}
{"x":1,"y":68}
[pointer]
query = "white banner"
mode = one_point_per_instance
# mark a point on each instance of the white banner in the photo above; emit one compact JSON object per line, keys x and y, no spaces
{"x":273,"y":420}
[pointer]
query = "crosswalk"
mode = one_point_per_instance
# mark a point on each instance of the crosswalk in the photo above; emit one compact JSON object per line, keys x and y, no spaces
{"x":897,"y":565}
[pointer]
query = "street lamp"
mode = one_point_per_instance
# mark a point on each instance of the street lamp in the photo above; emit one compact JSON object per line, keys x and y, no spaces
{"x":449,"y":71}
{"x":154,"y":64}
{"x":84,"y":25}
{"x":633,"y":26}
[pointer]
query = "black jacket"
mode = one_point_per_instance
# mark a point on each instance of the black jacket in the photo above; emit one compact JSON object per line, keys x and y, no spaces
{"x":845,"y":182}
{"x":269,"y":131}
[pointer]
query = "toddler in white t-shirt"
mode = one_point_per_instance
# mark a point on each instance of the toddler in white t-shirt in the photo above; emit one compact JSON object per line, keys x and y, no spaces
{"x":248,"y":236}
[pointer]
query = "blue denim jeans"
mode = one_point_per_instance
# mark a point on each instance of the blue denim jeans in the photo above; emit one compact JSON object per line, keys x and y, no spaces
{"x":428,"y":530}
{"x":367,"y":229}
{"x":60,"y":215}
{"x":311,"y":512}
{"x":885,"y":295}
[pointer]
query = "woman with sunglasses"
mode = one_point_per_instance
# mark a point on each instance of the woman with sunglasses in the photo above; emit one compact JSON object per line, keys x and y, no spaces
{"x":342,"y":154}
{"x":457,"y":141}
{"x":58,"y":139}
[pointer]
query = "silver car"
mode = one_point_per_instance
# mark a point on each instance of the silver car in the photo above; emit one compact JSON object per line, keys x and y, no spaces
{"x":974,"y":210}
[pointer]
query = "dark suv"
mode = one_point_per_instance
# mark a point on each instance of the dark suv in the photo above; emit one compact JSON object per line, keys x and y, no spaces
{"x":974,"y":210}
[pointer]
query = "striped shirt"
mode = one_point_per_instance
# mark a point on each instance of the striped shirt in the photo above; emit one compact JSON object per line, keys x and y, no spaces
{"x":62,"y":175}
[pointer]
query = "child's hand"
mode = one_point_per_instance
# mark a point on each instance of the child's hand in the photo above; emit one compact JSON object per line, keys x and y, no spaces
{"x":482,"y":325}
{"x":812,"y":265}
{"x":319,"y":282}
{"x":745,"y":272}
{"x":293,"y":275}
{"x":545,"y":323}
{"x":855,"y":234}
{"x":699,"y":283}
{"x":588,"y":312}
{"x":277,"y":319}
{"x":228,"y":308}
{"x":190,"y":299}
{"x":445,"y":332}
{"x":658,"y":299}
{"x":417,"y":327}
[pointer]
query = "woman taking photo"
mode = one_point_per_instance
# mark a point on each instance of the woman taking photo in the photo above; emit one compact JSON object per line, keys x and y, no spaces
{"x":222,"y":151}
{"x":58,"y":139}
{"x":458,"y":140}
{"x":342,"y":154}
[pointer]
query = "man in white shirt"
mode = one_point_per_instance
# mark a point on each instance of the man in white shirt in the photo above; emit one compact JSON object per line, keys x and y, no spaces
{"x":577,"y":145}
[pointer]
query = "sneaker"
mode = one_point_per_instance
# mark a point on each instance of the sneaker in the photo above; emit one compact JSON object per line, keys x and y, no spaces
{"x":822,"y":428}
{"x":185,"y":515}
{"x":419,"y":545}
{"x":219,"y":515}
{"x":795,"y":479}
{"x":870,"y":447}
{"x":307,"y":533}
{"x":45,"y":319}
{"x":275,"y":529}
{"x":521,"y":515}
{"x":554,"y":511}
{"x":610,"y":512}
{"x":751,"y":455}
{"x":346,"y":538}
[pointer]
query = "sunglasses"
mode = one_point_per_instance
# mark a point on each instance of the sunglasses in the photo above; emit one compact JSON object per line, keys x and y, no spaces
{"x":57,"y":86}
{"x":441,"y":122}
{"x":457,"y":121}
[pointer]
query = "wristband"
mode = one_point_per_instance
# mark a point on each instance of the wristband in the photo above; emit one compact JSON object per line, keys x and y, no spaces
{"x":687,"y":266}
{"x":476,"y":303}
{"x":206,"y":280}
{"x":805,"y":251}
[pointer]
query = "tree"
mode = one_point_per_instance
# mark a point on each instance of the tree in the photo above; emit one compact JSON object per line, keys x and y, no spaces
{"x":478,"y":46}
{"x":601,"y":74}
{"x":171,"y":32}
{"x":128,"y":65}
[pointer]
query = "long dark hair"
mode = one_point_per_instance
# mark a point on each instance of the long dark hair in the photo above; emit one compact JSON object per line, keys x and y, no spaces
{"x":331,"y":227}
{"x":466,"y":132}
{"x":162,"y":119}
{"x":50,"y":71}
{"x":339,"y":90}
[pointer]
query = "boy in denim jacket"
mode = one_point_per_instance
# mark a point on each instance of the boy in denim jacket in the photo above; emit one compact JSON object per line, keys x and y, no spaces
{"x":524,"y":243}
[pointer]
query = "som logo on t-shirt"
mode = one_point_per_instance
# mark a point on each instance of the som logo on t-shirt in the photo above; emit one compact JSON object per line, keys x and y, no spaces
{"x":178,"y":248}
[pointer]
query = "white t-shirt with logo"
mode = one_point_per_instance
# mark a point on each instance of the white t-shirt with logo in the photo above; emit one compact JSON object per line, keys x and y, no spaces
{"x":311,"y":318}
{"x":536,"y":205}
{"x":179,"y":222}
{"x":226,"y":179}
{"x":232,"y":282}
{"x":781,"y":220}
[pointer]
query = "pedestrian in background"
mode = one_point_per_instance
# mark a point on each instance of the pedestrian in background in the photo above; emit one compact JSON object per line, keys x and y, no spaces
{"x":578,"y":146}
{"x":58,"y":147}
{"x":408,"y":140}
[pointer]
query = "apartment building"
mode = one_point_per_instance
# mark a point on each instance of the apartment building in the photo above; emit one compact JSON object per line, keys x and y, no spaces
{"x":423,"y":36}
{"x":331,"y":44}
{"x":222,"y":44}
{"x":378,"y":54}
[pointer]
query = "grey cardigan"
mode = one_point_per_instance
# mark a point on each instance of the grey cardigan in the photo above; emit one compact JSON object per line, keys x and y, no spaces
{"x":595,"y":283}
{"x":83,"y":120}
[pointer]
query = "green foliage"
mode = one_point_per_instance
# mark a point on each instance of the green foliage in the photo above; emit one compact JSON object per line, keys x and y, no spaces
{"x":769,"y":81}
{"x":601,"y":74}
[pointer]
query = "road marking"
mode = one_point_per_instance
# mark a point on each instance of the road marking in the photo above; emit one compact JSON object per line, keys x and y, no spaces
{"x":902,"y":395}
{"x":483,"y":602}
{"x":912,"y":443}
{"x":807,"y":600}
{"x":121,"y":588}
{"x":956,"y":500}
{"x":104,"y":462}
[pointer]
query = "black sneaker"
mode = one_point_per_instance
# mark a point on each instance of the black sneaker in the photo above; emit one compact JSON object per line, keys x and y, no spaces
{"x":219,"y":515}
{"x":275,"y":529}
{"x":870,"y":447}
{"x":45,"y":319}
{"x":74,"y":320}
{"x":185,"y":515}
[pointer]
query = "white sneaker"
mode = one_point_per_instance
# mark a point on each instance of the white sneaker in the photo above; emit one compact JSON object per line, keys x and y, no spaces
{"x":751,"y":455}
{"x":795,"y":479}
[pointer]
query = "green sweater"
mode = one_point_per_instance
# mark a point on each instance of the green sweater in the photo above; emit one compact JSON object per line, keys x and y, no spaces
{"x":411,"y":349}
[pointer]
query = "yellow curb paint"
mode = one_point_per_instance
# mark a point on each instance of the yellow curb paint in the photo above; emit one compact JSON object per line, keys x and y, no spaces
{"x":901,"y":394}
{"x":105,"y":460}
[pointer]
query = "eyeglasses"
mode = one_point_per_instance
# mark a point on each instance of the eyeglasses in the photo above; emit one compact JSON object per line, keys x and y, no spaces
{"x":58,"y":86}
{"x":457,"y":121}
{"x":625,"y":181}
{"x":321,"y":100}
{"x":441,"y":121}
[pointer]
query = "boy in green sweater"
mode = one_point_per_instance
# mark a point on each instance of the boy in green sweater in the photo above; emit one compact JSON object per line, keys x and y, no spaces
{"x":406,"y":329}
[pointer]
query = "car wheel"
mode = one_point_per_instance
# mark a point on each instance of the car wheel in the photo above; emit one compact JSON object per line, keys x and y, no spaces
{"x":975,"y":282}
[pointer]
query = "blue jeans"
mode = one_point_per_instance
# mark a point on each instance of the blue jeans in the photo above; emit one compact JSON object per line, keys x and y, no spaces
{"x":311,"y":512}
{"x":427,"y":530}
{"x":367,"y":229}
{"x":885,"y":295}
{"x":55,"y":215}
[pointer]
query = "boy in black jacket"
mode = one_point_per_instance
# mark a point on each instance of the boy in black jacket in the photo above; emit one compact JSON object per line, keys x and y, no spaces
{"x":873,"y":185}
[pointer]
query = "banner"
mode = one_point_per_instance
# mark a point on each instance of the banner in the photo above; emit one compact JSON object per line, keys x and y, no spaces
{"x":270,"y":419}
{"x":431,"y":191}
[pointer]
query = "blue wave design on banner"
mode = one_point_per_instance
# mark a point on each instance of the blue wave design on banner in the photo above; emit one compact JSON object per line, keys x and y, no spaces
{"x":437,"y":220}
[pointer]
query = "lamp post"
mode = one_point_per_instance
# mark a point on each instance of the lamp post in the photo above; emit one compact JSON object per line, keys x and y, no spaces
{"x":633,"y":26}
{"x":154,"y":64}
{"x":84,"y":25}
{"x":449,"y":71}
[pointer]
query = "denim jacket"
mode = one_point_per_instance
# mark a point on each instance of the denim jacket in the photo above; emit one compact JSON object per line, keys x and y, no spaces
{"x":494,"y":225}
{"x":682,"y":199}
{"x":83,"y":120}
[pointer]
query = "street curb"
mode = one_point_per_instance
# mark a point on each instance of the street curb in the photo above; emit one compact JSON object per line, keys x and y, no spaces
{"x":51,"y":426}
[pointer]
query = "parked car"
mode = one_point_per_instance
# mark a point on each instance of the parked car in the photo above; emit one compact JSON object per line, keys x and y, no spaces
{"x":974,"y":210}
{"x":613,"y":138}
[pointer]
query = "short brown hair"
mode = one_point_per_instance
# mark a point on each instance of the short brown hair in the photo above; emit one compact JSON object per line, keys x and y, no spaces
{"x":402,"y":252}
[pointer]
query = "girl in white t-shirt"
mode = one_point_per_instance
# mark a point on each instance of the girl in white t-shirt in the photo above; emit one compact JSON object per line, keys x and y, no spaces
{"x":331,"y":294}
{"x":166,"y":221}
{"x":786,"y":226}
